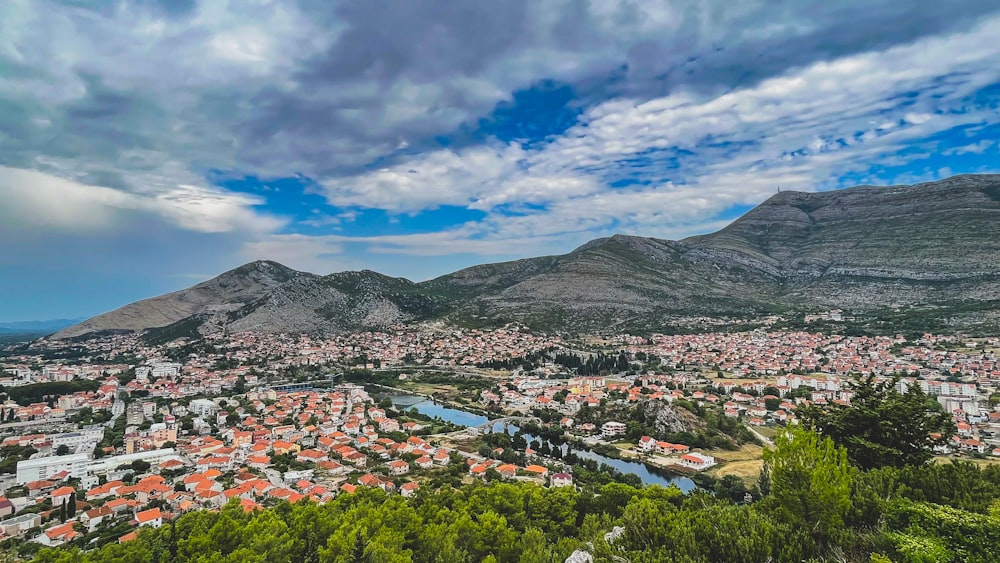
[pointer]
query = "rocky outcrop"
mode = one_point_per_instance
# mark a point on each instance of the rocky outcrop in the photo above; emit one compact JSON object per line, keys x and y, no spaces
{"x":667,"y":419}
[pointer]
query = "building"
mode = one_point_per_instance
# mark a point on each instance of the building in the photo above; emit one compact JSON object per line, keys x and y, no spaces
{"x":610,"y":429}
{"x":73,"y":440}
{"x":80,"y":465}
{"x":6,"y":507}
{"x":697,"y":461}
{"x":20,"y":524}
{"x":152,"y":517}
{"x":42,"y":468}
{"x":203,"y":407}
{"x":562,"y":480}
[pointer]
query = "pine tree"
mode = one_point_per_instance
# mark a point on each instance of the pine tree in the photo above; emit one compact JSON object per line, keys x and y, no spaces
{"x":71,"y":507}
{"x":358,"y":552}
{"x":62,"y":512}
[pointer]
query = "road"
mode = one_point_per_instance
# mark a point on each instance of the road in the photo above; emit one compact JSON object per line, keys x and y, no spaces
{"x":767,"y":441}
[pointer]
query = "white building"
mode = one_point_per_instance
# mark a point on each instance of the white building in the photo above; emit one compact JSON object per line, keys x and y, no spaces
{"x":203,"y":407}
{"x":166,"y":370}
{"x":80,"y":465}
{"x":73,"y":440}
{"x":610,"y":429}
{"x":562,"y":480}
{"x":697,"y":461}
{"x":42,"y":468}
{"x":20,"y":524}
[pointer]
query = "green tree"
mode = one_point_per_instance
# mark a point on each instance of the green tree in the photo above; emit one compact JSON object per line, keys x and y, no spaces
{"x":883,"y":427}
{"x":62,"y":450}
{"x":810,"y":483}
{"x":71,"y":506}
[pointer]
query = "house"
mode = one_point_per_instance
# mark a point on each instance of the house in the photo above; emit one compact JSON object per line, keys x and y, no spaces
{"x":507,"y":470}
{"x":646,"y":444}
{"x":973,"y":445}
{"x":369,"y":480}
{"x":409,"y":489}
{"x":6,"y":507}
{"x":20,"y":524}
{"x":399,"y":467}
{"x":58,"y":535}
{"x":93,"y":517}
{"x":356,"y":459}
{"x":152,"y":517}
{"x":667,"y":448}
{"x":424,"y":462}
{"x":537,"y":470}
{"x":562,"y":480}
{"x":310,"y":456}
{"x":697,"y":461}
{"x":62,"y":495}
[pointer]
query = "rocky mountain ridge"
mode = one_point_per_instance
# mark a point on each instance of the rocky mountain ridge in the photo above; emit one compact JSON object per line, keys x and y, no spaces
{"x":857,"y":249}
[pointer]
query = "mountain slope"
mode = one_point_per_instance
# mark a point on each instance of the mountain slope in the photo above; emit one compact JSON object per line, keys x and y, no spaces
{"x":870,"y":246}
{"x":859,"y":248}
{"x":226,"y":293}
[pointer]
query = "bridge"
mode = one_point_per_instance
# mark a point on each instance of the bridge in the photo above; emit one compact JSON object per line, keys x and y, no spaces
{"x":289,"y":386}
{"x":507,"y":421}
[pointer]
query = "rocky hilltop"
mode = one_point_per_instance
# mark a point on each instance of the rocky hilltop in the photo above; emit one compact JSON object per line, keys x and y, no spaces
{"x":857,"y":249}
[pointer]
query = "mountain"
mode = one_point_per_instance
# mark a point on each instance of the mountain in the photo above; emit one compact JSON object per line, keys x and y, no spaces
{"x":859,"y":249}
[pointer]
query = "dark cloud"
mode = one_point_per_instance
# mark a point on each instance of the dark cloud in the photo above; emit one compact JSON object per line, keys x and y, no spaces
{"x":341,"y":110}
{"x":420,"y":40}
{"x":778,"y":36}
{"x":340,"y":86}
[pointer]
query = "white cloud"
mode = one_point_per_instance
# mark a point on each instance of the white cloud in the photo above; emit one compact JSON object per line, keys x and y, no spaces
{"x":36,"y":200}
{"x":801,"y":130}
{"x":116,"y":113}
{"x":974,"y":148}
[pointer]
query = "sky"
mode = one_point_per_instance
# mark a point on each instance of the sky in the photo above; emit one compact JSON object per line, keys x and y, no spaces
{"x":146,"y":145}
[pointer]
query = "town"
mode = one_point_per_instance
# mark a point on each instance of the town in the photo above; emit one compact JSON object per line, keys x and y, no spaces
{"x":102,"y":436}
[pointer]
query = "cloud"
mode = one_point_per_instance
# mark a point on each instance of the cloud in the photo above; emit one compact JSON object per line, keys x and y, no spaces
{"x":973,"y":148}
{"x":39,"y":201}
{"x":690,"y":156}
{"x":113,"y":114}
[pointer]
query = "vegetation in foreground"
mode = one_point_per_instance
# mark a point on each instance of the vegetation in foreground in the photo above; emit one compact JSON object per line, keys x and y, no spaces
{"x":816,"y":507}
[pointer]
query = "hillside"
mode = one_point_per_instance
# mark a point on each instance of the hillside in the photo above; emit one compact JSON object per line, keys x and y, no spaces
{"x":858,"y":249}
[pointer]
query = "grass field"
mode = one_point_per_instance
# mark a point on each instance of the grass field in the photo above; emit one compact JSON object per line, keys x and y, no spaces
{"x":979,"y":462}
{"x":748,"y":470}
{"x":744,"y":463}
{"x":767,"y":431}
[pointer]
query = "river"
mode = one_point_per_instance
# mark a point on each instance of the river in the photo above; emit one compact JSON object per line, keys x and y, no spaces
{"x":464,"y":418}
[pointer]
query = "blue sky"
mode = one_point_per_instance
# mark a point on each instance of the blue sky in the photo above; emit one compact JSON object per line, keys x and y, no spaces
{"x":147,"y":145}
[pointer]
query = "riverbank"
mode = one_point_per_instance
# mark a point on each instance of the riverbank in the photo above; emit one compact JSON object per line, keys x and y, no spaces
{"x":611,"y":451}
{"x":457,"y":414}
{"x":451,"y":404}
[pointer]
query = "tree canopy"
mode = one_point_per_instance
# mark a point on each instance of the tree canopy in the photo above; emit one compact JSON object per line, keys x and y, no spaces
{"x":883,"y":427}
